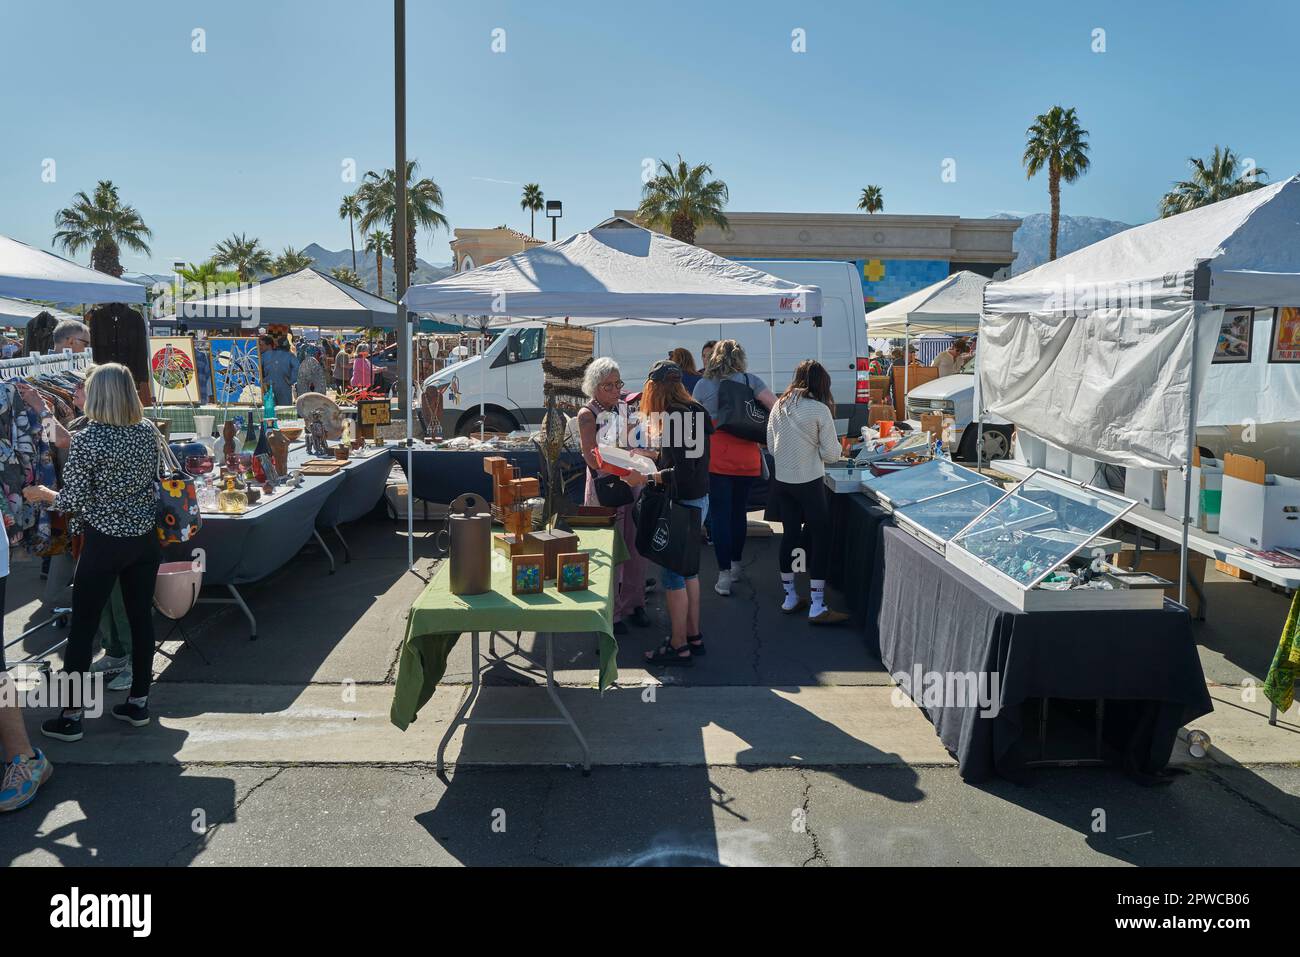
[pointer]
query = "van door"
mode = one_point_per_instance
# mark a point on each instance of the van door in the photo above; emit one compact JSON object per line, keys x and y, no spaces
{"x":520,"y":366}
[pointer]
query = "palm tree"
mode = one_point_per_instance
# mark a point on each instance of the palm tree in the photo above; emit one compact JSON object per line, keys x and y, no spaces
{"x":1057,"y":144}
{"x":344,"y":274}
{"x":872,"y":199}
{"x":534,"y":202}
{"x":682,"y":198}
{"x":248,"y":257}
{"x":291,"y":260}
{"x":206,"y":277}
{"x":378,"y":196}
{"x":1211,"y":181}
{"x":381,"y":244}
{"x":104,"y":224}
{"x":350,"y":209}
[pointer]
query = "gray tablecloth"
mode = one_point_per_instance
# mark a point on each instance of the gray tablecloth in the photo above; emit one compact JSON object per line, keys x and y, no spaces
{"x":1142,"y":663}
{"x":246,"y":548}
{"x":364,"y":481}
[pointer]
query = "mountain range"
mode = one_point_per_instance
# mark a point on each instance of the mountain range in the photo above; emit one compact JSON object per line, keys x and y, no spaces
{"x":1031,"y":240}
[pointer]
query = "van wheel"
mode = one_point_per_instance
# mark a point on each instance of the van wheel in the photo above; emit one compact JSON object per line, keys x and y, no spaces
{"x":492,"y":422}
{"x":994,"y":445}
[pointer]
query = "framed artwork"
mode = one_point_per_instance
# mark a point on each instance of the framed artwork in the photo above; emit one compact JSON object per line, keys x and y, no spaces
{"x":1236,"y":329}
{"x":236,"y":370}
{"x":374,"y":412}
{"x":526,"y":576}
{"x":571,"y":571}
{"x":173,"y":376}
{"x":1284,"y":343}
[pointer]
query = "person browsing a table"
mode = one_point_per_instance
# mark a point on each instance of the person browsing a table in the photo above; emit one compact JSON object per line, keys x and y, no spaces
{"x":679,"y":430}
{"x":604,"y":420}
{"x":110,"y":494}
{"x":801,"y":435}
{"x":280,"y":371}
{"x":363,"y":373}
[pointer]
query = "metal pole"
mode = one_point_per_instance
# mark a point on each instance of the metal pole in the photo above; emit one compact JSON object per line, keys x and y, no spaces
{"x":399,"y":261}
{"x":771,"y":354}
{"x":907,"y":358}
{"x":1187,"y":474}
{"x":979,"y":417}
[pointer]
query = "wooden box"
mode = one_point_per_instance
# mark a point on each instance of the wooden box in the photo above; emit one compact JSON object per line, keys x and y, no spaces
{"x":550,"y":545}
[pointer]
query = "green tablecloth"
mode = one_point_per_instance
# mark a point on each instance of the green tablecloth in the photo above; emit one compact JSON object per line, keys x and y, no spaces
{"x":438,"y":618}
{"x":181,"y":417}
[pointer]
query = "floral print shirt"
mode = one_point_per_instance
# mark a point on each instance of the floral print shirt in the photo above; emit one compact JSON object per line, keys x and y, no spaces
{"x":109,"y":481}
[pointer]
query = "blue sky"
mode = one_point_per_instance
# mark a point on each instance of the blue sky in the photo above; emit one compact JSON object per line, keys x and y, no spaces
{"x":251,"y":135}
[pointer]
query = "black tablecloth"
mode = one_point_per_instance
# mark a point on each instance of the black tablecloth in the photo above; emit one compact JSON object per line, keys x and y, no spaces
{"x":444,"y":475}
{"x":855,"y":537}
{"x":1142,"y":663}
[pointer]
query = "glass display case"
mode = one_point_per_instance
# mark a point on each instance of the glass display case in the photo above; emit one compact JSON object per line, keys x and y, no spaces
{"x":937,"y":519}
{"x":1020,"y":547}
{"x":919,"y":482}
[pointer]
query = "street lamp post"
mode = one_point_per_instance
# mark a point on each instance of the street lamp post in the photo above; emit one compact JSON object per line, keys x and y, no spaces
{"x":554,"y":211}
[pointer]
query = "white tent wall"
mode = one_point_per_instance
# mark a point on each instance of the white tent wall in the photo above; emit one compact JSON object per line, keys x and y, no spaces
{"x":1115,"y":385}
{"x":1259,"y":392}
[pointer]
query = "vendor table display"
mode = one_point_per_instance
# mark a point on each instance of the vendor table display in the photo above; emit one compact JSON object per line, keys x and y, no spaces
{"x":438,"y":618}
{"x":443,"y":474}
{"x":181,"y":417}
{"x":365,"y":477}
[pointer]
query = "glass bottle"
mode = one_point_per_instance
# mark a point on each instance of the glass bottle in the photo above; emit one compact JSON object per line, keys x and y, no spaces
{"x":231,"y":499}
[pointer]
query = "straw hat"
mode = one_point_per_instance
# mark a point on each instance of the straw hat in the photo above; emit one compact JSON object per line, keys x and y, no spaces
{"x":330,"y":414}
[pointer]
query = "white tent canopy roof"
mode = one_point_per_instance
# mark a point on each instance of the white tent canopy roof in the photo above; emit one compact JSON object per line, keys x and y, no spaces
{"x":30,"y":273}
{"x":1251,"y":242}
{"x":617,"y":272}
{"x":16,"y":312}
{"x":951,"y":305}
{"x":307,"y":297}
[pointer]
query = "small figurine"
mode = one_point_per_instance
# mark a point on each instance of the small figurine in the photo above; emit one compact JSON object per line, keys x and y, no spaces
{"x":316,"y":441}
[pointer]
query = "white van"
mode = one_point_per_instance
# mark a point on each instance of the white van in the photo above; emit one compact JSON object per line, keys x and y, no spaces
{"x":512,"y":379}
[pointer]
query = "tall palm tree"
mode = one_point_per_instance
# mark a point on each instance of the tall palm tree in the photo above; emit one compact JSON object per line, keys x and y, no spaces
{"x":248,"y":257}
{"x":344,"y":274}
{"x":381,"y":244}
{"x":205,"y":277}
{"x":534,"y":202}
{"x":683,"y":198}
{"x":378,"y":195}
{"x":104,"y":224}
{"x":1218,"y":178}
{"x":291,"y":260}
{"x":1056,"y":143}
{"x":872,"y":199}
{"x":350,"y":209}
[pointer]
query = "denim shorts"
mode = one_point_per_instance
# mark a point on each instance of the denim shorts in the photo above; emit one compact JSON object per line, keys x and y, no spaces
{"x":670,"y":580}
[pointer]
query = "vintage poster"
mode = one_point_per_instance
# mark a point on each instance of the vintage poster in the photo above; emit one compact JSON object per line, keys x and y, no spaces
{"x":1284,"y":344}
{"x":236,"y":370}
{"x":172,"y":374}
{"x":1235,"y":331}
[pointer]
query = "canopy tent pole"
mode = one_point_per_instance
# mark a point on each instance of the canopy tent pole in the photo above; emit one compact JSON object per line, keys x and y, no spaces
{"x":771,"y":353}
{"x":482,"y":385}
{"x":400,"y":264}
{"x":979,"y":420}
{"x":907,"y":357}
{"x":1201,"y":284}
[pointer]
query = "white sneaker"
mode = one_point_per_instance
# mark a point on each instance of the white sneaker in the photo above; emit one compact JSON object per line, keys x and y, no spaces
{"x":122,"y":682}
{"x":723,"y":587}
{"x":110,"y":665}
{"x":737,"y":571}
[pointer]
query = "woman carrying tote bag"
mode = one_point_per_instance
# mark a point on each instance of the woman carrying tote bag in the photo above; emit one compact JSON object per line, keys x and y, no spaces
{"x":679,"y":431}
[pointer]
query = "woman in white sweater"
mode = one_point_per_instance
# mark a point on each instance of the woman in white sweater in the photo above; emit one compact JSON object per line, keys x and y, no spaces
{"x":801,"y":436}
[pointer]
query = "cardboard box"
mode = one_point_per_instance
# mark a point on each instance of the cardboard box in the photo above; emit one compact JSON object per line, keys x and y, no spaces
{"x":1056,"y":460}
{"x":1145,"y":486}
{"x":1086,"y":470}
{"x":1165,"y":564}
{"x":1259,"y":511}
{"x":1206,"y":476}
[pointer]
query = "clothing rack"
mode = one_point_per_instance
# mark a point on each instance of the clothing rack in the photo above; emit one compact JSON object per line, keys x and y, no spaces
{"x":66,"y":361}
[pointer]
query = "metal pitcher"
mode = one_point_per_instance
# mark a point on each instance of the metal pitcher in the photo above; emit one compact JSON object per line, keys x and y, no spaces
{"x":469,"y":538}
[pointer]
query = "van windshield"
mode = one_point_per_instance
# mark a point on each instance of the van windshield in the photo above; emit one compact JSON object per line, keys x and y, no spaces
{"x":526,"y":344}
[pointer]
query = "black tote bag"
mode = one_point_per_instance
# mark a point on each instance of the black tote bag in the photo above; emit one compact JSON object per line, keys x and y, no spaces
{"x":739,"y":411}
{"x":668,"y":532}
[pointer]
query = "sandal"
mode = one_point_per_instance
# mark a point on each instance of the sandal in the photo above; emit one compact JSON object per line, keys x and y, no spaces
{"x":696,"y":644}
{"x":666,"y":654}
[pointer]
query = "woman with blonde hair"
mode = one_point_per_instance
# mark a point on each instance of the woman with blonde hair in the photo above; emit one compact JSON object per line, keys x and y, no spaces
{"x":110,"y":495}
{"x":735,"y":462}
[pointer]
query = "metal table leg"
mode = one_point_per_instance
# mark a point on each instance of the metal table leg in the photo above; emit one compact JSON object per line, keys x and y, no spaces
{"x":463,"y":710}
{"x":235,"y":599}
{"x":347,"y":552}
{"x":559,"y":705}
{"x":325,"y":548}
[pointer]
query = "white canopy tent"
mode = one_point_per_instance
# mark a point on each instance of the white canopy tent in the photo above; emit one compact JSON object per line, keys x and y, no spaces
{"x":617,"y":273}
{"x":16,"y":312}
{"x":1106,"y":352}
{"x":950,"y":307}
{"x":307,"y":297}
{"x":30,"y":273}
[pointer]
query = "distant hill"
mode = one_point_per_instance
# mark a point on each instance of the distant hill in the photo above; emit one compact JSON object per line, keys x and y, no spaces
{"x":327,"y":259}
{"x":1032,"y":238}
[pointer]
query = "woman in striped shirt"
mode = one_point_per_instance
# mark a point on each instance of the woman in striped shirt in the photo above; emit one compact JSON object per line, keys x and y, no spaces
{"x":801,"y":436}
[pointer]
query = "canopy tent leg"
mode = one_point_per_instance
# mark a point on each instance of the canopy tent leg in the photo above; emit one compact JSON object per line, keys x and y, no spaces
{"x":1187,"y":466}
{"x":907,"y":356}
{"x":482,"y":388}
{"x":979,"y":420}
{"x":771,"y":353}
{"x":410,"y":471}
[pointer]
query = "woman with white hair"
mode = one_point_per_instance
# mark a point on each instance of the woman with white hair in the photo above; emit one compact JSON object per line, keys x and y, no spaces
{"x":110,"y":494}
{"x":604,"y":420}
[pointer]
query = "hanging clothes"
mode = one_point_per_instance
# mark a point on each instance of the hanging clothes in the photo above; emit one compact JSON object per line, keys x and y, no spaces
{"x":38,"y":337}
{"x":118,"y":334}
{"x":26,"y":458}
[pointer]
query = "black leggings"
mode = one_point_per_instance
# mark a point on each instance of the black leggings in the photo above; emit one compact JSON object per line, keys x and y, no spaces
{"x":104,"y":560}
{"x":805,"y":523}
